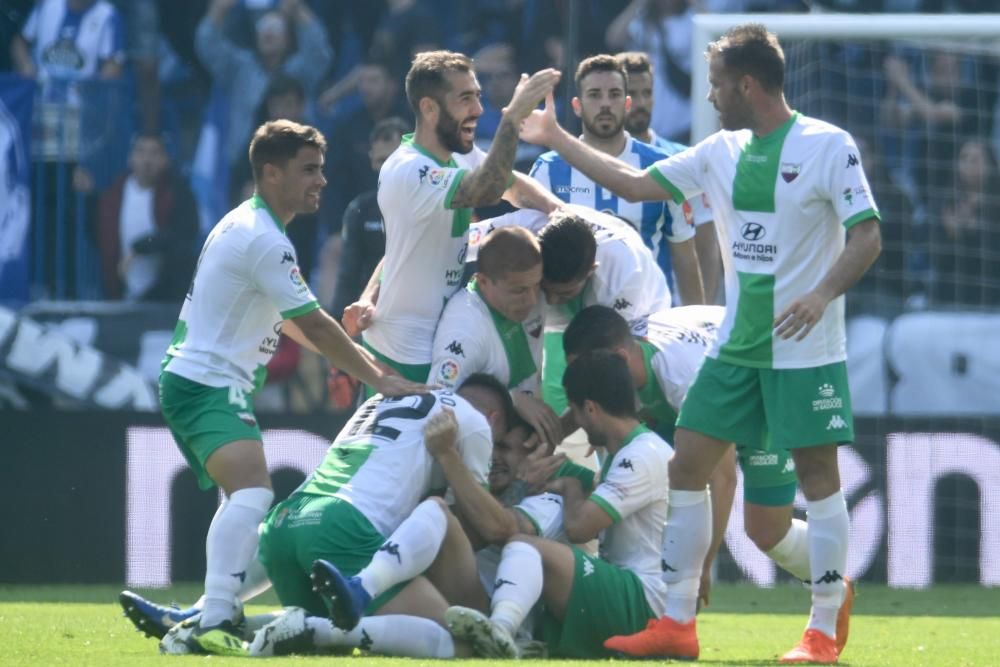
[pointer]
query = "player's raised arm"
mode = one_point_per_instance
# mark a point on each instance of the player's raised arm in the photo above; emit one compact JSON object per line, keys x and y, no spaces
{"x":486,"y":184}
{"x":541,"y":127}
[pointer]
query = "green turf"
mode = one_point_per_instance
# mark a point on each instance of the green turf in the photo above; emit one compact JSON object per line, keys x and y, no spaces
{"x":953,"y":626}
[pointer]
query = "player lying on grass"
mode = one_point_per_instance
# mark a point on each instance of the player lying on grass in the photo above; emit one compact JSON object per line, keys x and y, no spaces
{"x":663,"y":364}
{"x":588,"y":599}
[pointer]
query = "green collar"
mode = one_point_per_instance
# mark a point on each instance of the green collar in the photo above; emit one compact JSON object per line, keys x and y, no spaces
{"x":778,"y":134}
{"x":632,"y":435}
{"x":514,"y":340}
{"x":257,"y":202}
{"x":408,"y":140}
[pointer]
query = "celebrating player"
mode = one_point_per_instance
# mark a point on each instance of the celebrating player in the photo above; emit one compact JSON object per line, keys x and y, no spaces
{"x":783,"y":187}
{"x":246,"y":291}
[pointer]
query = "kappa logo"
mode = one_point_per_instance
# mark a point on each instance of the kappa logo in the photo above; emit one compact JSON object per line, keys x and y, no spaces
{"x":423,"y":172}
{"x":455,"y":348}
{"x":665,"y":567}
{"x":837,"y":423}
{"x":287,"y":257}
{"x":848,"y":196}
{"x":789,"y":466}
{"x":622,"y":303}
{"x":627,"y":464}
{"x":588,"y":567}
{"x":392,"y":549}
{"x":852,"y":161}
{"x":366,"y":641}
{"x":753,"y":231}
{"x":500,"y":582}
{"x":242,"y":576}
{"x":829,"y":577}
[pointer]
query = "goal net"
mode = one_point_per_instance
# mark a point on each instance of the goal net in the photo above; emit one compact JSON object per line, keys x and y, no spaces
{"x":919,"y":94}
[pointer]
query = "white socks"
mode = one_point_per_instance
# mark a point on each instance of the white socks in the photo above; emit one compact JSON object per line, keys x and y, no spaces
{"x":395,"y":635}
{"x":518,"y":585}
{"x":829,"y":528}
{"x":686,"y":539}
{"x":409,"y":551}
{"x":792,"y":552}
{"x":230,"y":547}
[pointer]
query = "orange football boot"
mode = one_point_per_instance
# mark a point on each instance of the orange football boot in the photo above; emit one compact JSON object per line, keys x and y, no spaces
{"x":662,"y":638}
{"x":815,"y":647}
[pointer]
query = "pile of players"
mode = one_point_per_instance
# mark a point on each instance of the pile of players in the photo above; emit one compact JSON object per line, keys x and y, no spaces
{"x":441,"y":522}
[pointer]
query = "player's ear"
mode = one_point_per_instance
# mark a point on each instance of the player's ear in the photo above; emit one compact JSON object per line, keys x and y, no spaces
{"x":577,"y":106}
{"x":428,"y":107}
{"x":593,"y":269}
{"x":628,"y":103}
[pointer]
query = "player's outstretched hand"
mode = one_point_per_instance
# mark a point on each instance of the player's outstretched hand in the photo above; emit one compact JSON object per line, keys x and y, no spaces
{"x":800,"y":316}
{"x":391,"y":384}
{"x":537,"y":468}
{"x":440,"y":432}
{"x":540,"y":126}
{"x":540,"y":416}
{"x":530,"y":92}
{"x":358,"y":317}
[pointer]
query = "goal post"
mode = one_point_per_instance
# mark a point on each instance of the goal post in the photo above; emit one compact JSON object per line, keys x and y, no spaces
{"x":853,"y":27}
{"x":922,"y":478}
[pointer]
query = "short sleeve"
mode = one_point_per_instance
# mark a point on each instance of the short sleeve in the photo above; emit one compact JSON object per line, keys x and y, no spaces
{"x":457,"y":351}
{"x":418,"y":188}
{"x":682,"y":222}
{"x":540,"y":172}
{"x":626,"y":488}
{"x":700,"y":210}
{"x":545,"y":513}
{"x":274,"y":270}
{"x":680,"y":173}
{"x":476,"y":449}
{"x":849,"y":190}
{"x":30,"y":30}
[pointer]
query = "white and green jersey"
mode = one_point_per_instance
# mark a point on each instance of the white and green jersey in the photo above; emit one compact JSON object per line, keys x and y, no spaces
{"x":472,"y":338}
{"x":673,"y":350}
{"x":246,"y":284}
{"x":627,"y":278}
{"x":633,"y":490}
{"x":781,"y":205}
{"x":544,"y":511}
{"x":425,"y":245}
{"x":379,"y":463}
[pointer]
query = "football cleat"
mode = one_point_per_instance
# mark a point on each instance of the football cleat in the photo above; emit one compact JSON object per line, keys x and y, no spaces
{"x":286,"y":635}
{"x":662,"y":638}
{"x":153,"y":620}
{"x":346,"y":595}
{"x":488,"y":639}
{"x":222,"y":639}
{"x":815,"y":648}
{"x":844,"y":616}
{"x":177,"y":641}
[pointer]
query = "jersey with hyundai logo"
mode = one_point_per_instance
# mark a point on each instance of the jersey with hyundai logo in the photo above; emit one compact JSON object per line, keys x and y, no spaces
{"x":781,"y":204}
{"x":657,"y":222}
{"x":380,"y":464}
{"x":425,"y":246}
{"x":474,"y":338}
{"x":246,"y":284}
{"x":633,"y":491}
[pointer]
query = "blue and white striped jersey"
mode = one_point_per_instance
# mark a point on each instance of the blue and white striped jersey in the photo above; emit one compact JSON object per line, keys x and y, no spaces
{"x":658,"y":222}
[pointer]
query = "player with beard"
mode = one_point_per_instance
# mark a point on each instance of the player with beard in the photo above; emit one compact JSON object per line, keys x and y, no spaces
{"x":640,"y":89}
{"x":797,"y":216}
{"x":602,"y":104}
{"x":427,"y":190}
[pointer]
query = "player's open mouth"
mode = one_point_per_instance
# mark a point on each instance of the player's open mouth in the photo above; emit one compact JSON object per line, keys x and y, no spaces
{"x":469,"y":131}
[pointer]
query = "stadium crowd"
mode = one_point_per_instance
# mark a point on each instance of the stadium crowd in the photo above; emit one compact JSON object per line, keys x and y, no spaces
{"x":496,"y":281}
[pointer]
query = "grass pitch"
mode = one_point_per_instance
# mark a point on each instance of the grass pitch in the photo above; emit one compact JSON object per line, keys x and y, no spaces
{"x":955,"y":626}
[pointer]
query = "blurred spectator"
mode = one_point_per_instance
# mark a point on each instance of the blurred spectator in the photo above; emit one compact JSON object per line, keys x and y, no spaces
{"x":363,"y":235}
{"x":65,"y":45}
{"x":245,"y":75}
{"x":944,"y":110}
{"x":146,"y":228}
{"x":380,"y":96}
{"x":662,"y":28}
{"x":965,"y":241}
{"x":406,"y":28}
{"x":895,"y":274}
{"x":284,"y":98}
